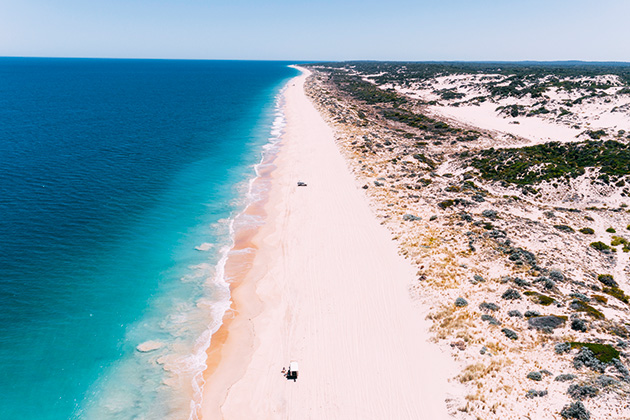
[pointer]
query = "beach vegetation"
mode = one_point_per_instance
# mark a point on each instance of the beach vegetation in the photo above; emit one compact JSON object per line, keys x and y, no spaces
{"x":363,"y":90}
{"x":534,"y":376}
{"x":578,"y":324}
{"x":533,"y":164}
{"x":605,"y":353}
{"x":469,"y":135}
{"x":520,"y":282}
{"x":617,"y":293}
{"x":580,"y":296}
{"x":580,"y":306}
{"x":490,"y":319}
{"x":547,"y":323}
{"x":600,"y":299}
{"x":521,"y":256}
{"x":580,"y":392}
{"x":539,"y":298}
{"x":564,"y":228}
{"x":557,"y":275}
{"x":422,"y":158}
{"x":419,"y":121}
{"x":605,"y":381}
{"x":576,"y":411}
{"x":489,"y":306}
{"x":562,"y":348}
{"x":600,"y":246}
{"x":607,"y":280}
{"x":504,"y":80}
{"x":489,"y":213}
{"x":479,"y":370}
{"x":618,"y":240}
{"x":586,"y":357}
{"x":452,"y":323}
{"x":449,"y":94}
{"x":486,"y":225}
{"x":460,"y":302}
{"x":512,"y":110}
{"x":596,"y":135}
{"x":611,"y":230}
{"x":587,"y":231}
{"x":511,"y":294}
{"x":537,"y":111}
{"x":510,"y":334}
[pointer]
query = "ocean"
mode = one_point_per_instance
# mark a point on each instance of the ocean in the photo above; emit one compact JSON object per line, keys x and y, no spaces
{"x":119,"y":184}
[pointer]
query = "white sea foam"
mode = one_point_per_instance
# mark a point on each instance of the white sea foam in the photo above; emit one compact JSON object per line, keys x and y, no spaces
{"x":206,"y":246}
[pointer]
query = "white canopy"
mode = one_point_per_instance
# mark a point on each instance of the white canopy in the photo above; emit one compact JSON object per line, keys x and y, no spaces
{"x":293,"y":366}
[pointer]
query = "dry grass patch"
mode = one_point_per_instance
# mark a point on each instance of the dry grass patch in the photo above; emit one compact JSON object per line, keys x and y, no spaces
{"x":479,"y":370}
{"x":452,"y":322}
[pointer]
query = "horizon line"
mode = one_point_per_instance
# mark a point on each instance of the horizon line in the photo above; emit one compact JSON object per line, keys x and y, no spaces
{"x":303,"y":61}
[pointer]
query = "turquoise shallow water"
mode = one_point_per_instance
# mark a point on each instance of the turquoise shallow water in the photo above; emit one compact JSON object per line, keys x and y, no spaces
{"x":111,"y":173}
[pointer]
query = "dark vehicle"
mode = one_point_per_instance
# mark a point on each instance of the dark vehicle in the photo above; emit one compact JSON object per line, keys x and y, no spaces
{"x":292,"y":373}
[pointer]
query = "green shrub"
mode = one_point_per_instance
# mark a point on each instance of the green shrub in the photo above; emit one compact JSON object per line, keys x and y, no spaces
{"x":580,"y":306}
{"x":446,"y":204}
{"x":608,"y":280}
{"x":600,"y":246}
{"x":545,"y":162}
{"x":617,"y":293}
{"x":596,"y":135}
{"x":541,"y":110}
{"x":600,"y":299}
{"x":422,"y":158}
{"x":602,"y":352}
{"x":448,"y":94}
{"x":539,"y":298}
{"x":564,"y":228}
{"x":618,"y":240}
{"x":611,"y":230}
{"x":587,"y":231}
{"x":419,"y":121}
{"x":365,"y":91}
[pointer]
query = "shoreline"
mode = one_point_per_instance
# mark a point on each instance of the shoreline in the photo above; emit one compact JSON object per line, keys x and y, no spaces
{"x":316,"y":290}
{"x":239,"y":259}
{"x":226,"y":345}
{"x":244,"y":301}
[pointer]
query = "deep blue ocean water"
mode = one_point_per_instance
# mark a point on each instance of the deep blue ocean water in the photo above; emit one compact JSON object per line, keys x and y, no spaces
{"x":111,"y":173}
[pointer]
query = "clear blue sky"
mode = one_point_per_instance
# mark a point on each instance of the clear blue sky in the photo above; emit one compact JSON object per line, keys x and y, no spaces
{"x":318,"y":30}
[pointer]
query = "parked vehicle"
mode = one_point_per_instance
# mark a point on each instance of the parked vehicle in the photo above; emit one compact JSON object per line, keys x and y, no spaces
{"x":292,"y":373}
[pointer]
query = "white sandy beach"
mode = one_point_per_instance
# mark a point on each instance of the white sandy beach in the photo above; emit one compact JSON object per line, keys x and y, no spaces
{"x":328,"y":289}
